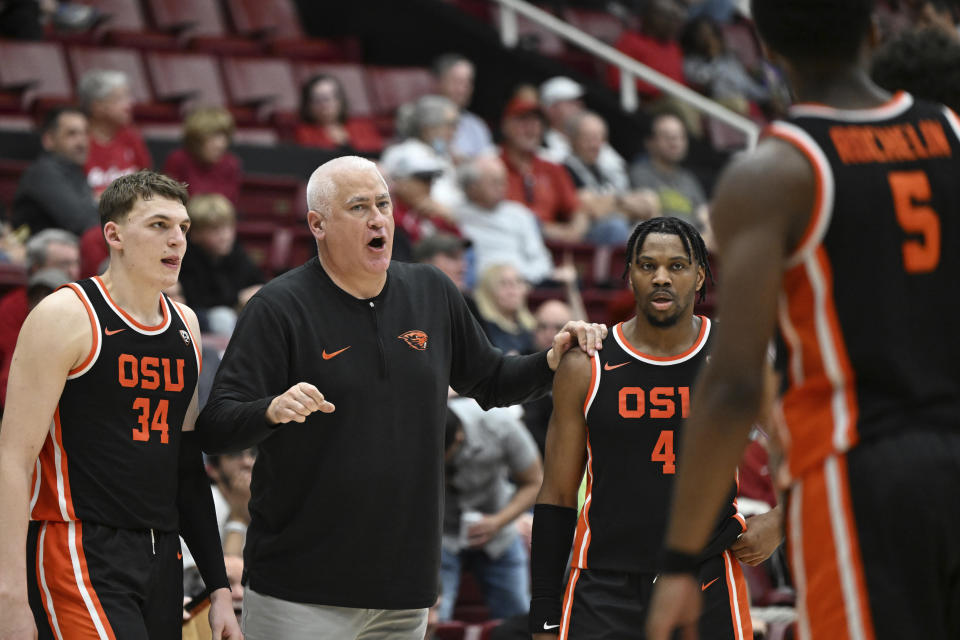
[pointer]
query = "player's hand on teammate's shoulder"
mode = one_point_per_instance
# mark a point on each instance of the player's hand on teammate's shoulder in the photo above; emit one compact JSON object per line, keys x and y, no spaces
{"x":296,"y":403}
{"x":763,"y":535}
{"x":587,"y":335}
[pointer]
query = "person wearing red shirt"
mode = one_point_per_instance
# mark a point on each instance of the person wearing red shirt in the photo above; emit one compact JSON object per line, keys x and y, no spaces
{"x":655,"y":45}
{"x":116,"y":147}
{"x":325,"y":121}
{"x":542,"y":186}
{"x":203,"y":162}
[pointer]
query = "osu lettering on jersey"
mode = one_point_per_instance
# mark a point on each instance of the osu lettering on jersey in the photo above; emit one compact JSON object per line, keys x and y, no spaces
{"x":115,"y":463}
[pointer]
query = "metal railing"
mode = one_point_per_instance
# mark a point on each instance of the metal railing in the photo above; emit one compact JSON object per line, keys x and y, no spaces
{"x":630,"y":69}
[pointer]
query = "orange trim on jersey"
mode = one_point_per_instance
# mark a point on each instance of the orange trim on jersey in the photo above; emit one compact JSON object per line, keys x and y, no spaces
{"x":196,"y":345}
{"x":67,"y":581}
{"x":568,"y":604}
{"x":835,"y":612}
{"x":581,"y":541}
{"x":64,"y":468}
{"x":95,"y":330}
{"x":892,"y":102}
{"x":704,"y":323}
{"x":128,"y":317}
{"x":594,"y":374}
{"x":739,"y":601}
{"x":819,"y":197}
{"x":809,"y":407}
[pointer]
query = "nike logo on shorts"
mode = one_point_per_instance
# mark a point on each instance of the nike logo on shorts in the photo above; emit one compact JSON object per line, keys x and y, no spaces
{"x":704,"y":587}
{"x":548,"y":627}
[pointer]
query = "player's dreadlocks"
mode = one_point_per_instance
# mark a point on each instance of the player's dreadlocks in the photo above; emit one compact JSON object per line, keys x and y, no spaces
{"x":689,"y":236}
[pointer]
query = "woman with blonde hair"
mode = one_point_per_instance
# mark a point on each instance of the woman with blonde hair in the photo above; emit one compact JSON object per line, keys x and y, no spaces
{"x":204,"y":162}
{"x":501,"y":297}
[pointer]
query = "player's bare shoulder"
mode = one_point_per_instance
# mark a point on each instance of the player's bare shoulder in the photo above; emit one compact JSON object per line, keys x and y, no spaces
{"x":60,"y":327}
{"x":574,"y":373}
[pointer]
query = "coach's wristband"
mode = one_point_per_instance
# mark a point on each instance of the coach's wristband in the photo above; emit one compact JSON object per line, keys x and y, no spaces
{"x":545,"y":615}
{"x":679,"y":562}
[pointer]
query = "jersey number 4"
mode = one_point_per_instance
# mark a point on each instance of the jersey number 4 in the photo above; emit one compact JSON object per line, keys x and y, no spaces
{"x":663,"y":452}
{"x":911,"y":195}
{"x":142,"y":434}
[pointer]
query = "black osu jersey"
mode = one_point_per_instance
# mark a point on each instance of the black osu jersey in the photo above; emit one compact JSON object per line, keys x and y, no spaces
{"x":635,"y":410}
{"x":869,"y":294}
{"x":112,"y":451}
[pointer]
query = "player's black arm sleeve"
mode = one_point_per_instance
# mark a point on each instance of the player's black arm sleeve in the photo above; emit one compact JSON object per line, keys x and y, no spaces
{"x":252,"y":373}
{"x":481,"y":371}
{"x":553,"y":529}
{"x":198,"y":517}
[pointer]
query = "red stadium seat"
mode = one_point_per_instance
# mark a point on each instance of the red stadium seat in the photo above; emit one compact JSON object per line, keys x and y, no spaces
{"x":196,"y":17}
{"x":186,"y":79}
{"x":351,"y":76}
{"x":279,"y":200}
{"x":266,"y":84}
{"x":303,"y":246}
{"x":470,"y":605}
{"x":267,"y":244}
{"x":126,"y":26}
{"x":265,"y":18}
{"x":452,"y":630}
{"x":32,"y":71}
{"x":394,"y":86}
{"x":124,"y":15}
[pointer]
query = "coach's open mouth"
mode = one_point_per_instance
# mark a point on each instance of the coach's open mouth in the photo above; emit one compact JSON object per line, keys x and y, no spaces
{"x":378,"y":243}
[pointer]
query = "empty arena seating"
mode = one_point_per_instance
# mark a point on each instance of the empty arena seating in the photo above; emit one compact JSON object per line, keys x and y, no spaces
{"x":32,"y":71}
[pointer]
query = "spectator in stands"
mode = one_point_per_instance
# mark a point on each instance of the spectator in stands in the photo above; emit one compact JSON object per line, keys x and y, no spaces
{"x":39,"y":286}
{"x":447,"y":252}
{"x":204,"y":163}
{"x":217,"y":275}
{"x":454,"y":75}
{"x":544,"y":187}
{"x":493,"y":476}
{"x":924,"y":62}
{"x":502,"y":231}
{"x":717,"y":72}
{"x":325,"y":120}
{"x":562,"y":99}
{"x":501,"y":297}
{"x":116,"y":147}
{"x":536,"y":413}
{"x":53,"y":191}
{"x":679,"y":190}
{"x":605,"y":195}
{"x":412,"y":173}
{"x":428,"y":125}
{"x":49,"y":249}
{"x":12,"y":250}
{"x":654,"y":45}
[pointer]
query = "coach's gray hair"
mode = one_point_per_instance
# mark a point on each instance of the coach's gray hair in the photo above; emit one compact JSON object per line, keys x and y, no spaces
{"x":97,"y":84}
{"x":322,"y":186}
{"x":39,"y":242}
{"x":428,"y":111}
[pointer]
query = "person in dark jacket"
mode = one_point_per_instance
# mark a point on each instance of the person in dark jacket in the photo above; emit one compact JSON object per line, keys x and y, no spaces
{"x":338,"y":371}
{"x":53,"y":191}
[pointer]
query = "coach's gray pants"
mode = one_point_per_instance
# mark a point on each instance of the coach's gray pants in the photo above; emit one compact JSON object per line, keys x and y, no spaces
{"x":269,"y":618}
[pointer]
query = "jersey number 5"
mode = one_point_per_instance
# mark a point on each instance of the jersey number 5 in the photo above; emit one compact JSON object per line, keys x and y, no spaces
{"x":159,"y":420}
{"x":663,"y":452}
{"x":911,"y":189}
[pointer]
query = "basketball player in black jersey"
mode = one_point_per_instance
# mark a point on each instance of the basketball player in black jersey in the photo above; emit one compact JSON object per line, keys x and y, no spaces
{"x":97,"y":450}
{"x":847,"y":218}
{"x":620,"y":415}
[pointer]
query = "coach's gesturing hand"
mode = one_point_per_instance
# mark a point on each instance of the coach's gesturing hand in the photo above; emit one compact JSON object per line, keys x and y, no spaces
{"x":296,"y":403}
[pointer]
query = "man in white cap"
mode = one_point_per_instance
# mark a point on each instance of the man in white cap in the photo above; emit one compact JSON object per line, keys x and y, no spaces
{"x":561,"y":99}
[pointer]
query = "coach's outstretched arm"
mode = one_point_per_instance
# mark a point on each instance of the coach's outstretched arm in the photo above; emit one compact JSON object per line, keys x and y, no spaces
{"x":481,"y":371}
{"x":251,"y":394}
{"x":37,"y":374}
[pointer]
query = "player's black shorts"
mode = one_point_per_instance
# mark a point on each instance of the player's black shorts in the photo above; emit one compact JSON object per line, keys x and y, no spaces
{"x":874,"y":540}
{"x":91,"y":581}
{"x":613,"y":606}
